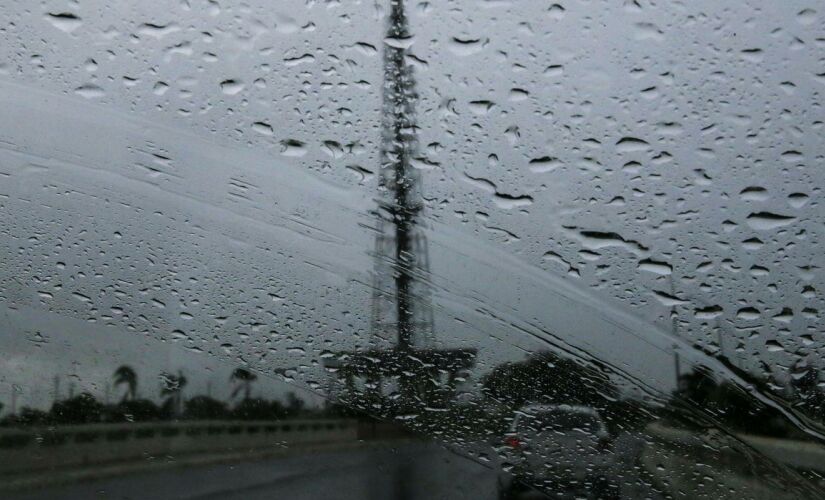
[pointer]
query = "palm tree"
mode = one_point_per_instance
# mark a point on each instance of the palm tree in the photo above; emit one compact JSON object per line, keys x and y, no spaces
{"x":172,"y":387}
{"x":125,"y":374}
{"x":244,"y":378}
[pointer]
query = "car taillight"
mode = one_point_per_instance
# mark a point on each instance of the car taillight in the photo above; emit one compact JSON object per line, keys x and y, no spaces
{"x":512,"y":442}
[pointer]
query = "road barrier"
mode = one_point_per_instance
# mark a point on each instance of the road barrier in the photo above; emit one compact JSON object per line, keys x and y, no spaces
{"x":43,"y":448}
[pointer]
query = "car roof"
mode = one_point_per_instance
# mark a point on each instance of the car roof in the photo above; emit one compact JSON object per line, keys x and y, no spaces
{"x":535,"y":409}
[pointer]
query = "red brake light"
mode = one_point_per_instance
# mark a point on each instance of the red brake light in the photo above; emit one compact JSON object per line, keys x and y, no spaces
{"x":512,"y":442}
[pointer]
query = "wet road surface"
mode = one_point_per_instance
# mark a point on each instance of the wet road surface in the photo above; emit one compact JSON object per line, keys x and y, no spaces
{"x":408,"y":472}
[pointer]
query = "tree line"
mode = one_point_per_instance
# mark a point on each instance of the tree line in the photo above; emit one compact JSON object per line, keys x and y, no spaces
{"x":701,"y":399}
{"x":85,"y":408}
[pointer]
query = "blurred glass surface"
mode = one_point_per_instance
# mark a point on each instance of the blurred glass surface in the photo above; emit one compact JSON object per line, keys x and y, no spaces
{"x":399,"y":249}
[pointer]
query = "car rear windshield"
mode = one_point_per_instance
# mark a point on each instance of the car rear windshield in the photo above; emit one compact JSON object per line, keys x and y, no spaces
{"x":559,"y":421}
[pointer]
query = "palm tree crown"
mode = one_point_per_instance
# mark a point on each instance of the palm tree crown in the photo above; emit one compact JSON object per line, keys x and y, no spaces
{"x":244,"y":378}
{"x":125,"y":374}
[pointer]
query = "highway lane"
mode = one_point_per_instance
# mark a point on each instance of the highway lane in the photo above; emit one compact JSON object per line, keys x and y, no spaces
{"x":407,"y":472}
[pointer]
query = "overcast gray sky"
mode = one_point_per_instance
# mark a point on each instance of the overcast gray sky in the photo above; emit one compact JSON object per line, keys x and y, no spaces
{"x":612,"y":177}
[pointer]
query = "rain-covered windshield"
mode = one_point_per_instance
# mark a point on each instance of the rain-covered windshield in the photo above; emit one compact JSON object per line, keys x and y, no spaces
{"x":256,"y":249}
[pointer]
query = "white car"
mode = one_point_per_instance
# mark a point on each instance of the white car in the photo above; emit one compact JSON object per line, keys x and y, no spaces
{"x":557,"y":447}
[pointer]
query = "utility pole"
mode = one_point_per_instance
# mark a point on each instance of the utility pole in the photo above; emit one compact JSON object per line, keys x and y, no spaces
{"x":15,"y":390}
{"x":56,"y":394}
{"x":676,"y":364}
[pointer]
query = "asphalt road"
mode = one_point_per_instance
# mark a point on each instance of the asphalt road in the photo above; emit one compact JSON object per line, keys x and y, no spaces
{"x":408,"y":472}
